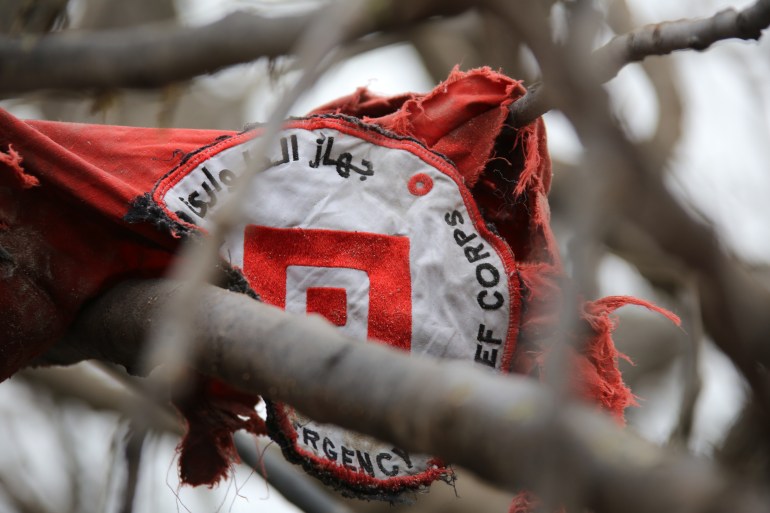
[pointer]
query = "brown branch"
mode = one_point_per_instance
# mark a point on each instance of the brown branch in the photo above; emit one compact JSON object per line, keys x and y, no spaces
{"x":502,"y":428}
{"x":667,"y":37}
{"x":745,"y":449}
{"x":23,"y":16}
{"x":734,"y":306}
{"x":155,"y":55}
{"x":658,"y":39}
{"x":144,"y":57}
{"x":171,"y":340}
{"x":662,"y":76}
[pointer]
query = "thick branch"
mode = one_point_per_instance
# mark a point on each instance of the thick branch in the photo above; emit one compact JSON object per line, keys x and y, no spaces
{"x":734,"y":306}
{"x":159,"y":54}
{"x":502,"y":428}
{"x":147,"y":56}
{"x":658,"y":39}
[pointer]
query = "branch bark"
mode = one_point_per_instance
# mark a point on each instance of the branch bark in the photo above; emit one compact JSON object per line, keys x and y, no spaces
{"x":149,"y":56}
{"x":155,"y":55}
{"x":695,"y":34}
{"x":657,"y":39}
{"x":502,"y":428}
{"x":733,"y":304}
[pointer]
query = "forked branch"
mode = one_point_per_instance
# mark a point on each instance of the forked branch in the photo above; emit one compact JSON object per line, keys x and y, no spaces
{"x":658,"y":39}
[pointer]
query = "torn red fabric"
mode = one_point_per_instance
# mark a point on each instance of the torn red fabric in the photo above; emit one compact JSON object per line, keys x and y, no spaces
{"x":84,"y":206}
{"x":213,"y":411}
{"x":602,"y":381}
{"x":66,"y":239}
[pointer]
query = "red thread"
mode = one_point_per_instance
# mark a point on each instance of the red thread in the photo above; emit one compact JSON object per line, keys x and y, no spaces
{"x":330,"y":302}
{"x":420,"y":184}
{"x":606,"y":305}
{"x":13,"y":160}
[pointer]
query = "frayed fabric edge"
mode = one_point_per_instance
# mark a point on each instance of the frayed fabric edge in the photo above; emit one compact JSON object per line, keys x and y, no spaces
{"x":12,"y":160}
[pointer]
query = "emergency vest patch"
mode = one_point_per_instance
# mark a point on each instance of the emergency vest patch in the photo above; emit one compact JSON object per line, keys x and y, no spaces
{"x":381,"y":237}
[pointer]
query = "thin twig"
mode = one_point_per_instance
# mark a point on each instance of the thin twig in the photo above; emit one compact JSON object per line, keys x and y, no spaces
{"x":338,"y":23}
{"x":691,"y":360}
{"x":288,"y":479}
{"x":734,"y":305}
{"x":132,"y":451}
{"x":667,"y":37}
{"x":172,"y":338}
{"x":144,"y":57}
{"x":658,"y":39}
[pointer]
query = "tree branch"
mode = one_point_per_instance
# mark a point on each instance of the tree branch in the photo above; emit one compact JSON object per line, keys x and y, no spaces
{"x":502,"y":428}
{"x":155,"y":55}
{"x":149,"y":56}
{"x":667,"y":37}
{"x":733,"y":304}
{"x":657,"y":39}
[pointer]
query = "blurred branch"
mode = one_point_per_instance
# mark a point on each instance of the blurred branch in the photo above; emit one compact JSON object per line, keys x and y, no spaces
{"x":471,"y":40}
{"x":745,"y":449}
{"x":490,"y":424}
{"x":662,"y":76}
{"x":734,"y":306}
{"x":29,"y":17}
{"x":315,"y":51}
{"x":691,"y":374}
{"x":132,"y":451}
{"x":151,"y":55}
{"x":155,"y":55}
{"x":94,"y":391}
{"x":19,"y":503}
{"x":658,"y":39}
{"x":442,"y":44}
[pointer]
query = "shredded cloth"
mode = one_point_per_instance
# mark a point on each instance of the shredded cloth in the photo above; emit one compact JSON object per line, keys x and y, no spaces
{"x":418,"y":221}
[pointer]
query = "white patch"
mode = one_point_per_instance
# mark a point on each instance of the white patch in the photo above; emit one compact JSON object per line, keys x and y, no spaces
{"x":344,"y":184}
{"x":355,"y":282}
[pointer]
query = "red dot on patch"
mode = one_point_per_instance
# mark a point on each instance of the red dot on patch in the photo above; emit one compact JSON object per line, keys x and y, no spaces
{"x":420,"y":184}
{"x":330,"y":302}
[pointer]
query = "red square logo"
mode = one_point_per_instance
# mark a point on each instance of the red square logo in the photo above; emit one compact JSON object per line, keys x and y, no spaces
{"x":330,"y":302}
{"x":268,"y":252}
